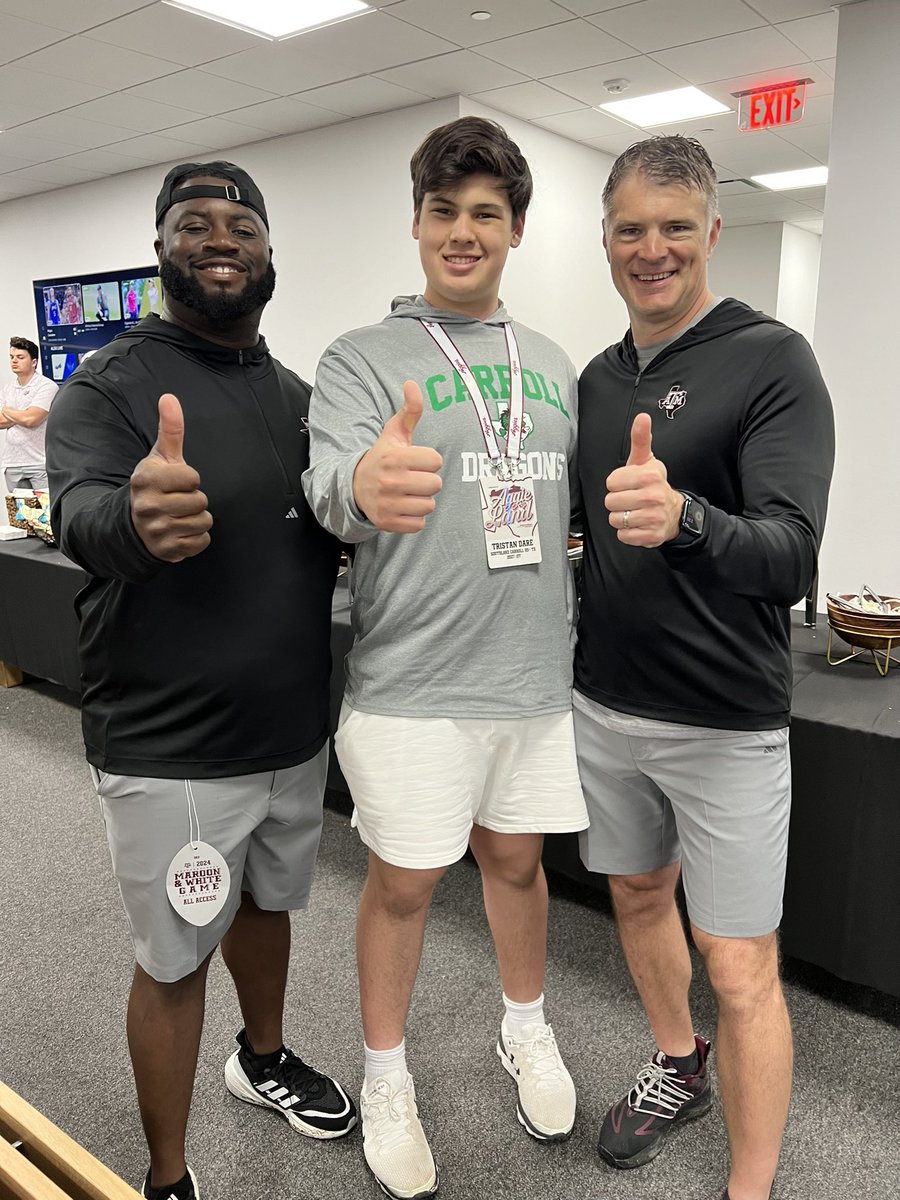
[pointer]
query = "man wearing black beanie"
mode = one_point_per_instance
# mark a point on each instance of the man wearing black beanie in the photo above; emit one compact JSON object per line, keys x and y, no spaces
{"x":175,"y":457}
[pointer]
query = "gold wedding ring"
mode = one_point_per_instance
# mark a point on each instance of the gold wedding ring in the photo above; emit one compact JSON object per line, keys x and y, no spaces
{"x":626,"y":517}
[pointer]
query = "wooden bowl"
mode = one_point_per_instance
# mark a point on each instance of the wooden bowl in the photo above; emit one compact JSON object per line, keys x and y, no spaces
{"x":870,"y":631}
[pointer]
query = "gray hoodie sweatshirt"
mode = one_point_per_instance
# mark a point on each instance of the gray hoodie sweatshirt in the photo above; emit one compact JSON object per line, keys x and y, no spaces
{"x":437,"y":633}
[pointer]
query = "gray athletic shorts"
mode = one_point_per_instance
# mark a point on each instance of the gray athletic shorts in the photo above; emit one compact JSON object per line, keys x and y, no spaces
{"x":266,"y":826}
{"x":721,"y":804}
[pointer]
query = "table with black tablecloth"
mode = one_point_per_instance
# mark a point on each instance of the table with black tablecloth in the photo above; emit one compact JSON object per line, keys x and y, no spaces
{"x":842,"y":897}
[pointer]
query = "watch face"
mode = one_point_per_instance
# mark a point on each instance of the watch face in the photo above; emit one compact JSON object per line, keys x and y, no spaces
{"x":693,"y":516}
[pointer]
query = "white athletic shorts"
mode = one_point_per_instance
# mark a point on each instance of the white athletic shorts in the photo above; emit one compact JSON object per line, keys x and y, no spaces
{"x":720,"y":804}
{"x":266,"y":826}
{"x":419,"y":784}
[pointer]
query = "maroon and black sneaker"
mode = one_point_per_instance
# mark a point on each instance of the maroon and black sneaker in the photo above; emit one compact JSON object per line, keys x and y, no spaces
{"x":638,"y":1124}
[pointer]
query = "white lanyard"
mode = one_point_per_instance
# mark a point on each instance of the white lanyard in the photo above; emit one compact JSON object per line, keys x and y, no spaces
{"x":516,"y":424}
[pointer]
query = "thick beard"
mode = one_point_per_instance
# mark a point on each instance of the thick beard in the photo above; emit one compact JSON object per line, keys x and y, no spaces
{"x":220,"y":308}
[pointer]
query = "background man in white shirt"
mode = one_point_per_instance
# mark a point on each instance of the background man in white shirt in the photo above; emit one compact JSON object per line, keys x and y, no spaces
{"x":24,"y":405}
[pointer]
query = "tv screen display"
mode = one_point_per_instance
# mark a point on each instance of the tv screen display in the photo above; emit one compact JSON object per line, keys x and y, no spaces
{"x":76,"y":315}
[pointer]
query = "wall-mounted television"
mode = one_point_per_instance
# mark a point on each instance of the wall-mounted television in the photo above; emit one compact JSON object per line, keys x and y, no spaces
{"x":77,"y":314}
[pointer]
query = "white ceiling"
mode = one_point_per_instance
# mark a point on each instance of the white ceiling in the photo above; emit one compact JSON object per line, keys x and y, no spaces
{"x":91,"y":88}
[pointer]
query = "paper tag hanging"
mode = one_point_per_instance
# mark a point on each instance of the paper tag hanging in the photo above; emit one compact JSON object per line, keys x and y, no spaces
{"x":198,"y":882}
{"x":509,"y":518}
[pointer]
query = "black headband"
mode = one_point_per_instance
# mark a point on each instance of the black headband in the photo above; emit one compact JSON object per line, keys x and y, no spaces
{"x":242,"y":189}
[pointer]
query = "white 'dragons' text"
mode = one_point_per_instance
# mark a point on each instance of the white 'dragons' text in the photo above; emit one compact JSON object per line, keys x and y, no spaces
{"x":539,"y":464}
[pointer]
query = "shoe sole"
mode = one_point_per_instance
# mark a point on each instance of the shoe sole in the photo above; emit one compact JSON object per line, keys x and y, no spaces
{"x":542,"y":1135}
{"x":243,"y":1090}
{"x":408,"y":1195}
{"x":644,"y":1156}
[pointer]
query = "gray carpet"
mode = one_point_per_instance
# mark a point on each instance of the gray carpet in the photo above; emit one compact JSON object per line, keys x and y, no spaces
{"x":66,"y":966}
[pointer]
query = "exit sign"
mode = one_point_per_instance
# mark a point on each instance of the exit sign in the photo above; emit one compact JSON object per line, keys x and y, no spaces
{"x":767,"y":108}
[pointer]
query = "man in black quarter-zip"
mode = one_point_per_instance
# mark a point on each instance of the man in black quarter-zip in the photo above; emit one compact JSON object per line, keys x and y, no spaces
{"x":705,"y":454}
{"x":175,"y":455}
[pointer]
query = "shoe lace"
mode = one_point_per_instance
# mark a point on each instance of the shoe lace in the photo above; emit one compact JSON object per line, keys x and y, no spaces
{"x":388,"y":1113}
{"x":656,"y":1085}
{"x":300,"y":1078}
{"x":542,"y":1055}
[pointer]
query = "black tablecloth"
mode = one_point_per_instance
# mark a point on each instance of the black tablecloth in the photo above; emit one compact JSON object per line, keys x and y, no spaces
{"x":842,"y":896}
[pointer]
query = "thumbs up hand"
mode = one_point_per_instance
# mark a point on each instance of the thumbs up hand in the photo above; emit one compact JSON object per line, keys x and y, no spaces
{"x":395,"y":482}
{"x":169,"y":512}
{"x":643,"y":509}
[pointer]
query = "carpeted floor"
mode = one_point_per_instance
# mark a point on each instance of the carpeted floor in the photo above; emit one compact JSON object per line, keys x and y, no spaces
{"x":65,"y":966}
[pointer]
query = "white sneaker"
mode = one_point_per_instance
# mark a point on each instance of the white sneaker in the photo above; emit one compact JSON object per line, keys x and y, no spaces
{"x":546,"y":1105}
{"x":396,"y":1149}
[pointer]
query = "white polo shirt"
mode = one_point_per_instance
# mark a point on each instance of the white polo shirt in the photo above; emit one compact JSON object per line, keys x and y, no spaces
{"x":25,"y":447}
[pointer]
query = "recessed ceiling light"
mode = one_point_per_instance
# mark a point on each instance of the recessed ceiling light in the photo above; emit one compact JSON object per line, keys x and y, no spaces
{"x":664,"y":108}
{"x":480,"y":15}
{"x":274,"y":19}
{"x":783,"y":181}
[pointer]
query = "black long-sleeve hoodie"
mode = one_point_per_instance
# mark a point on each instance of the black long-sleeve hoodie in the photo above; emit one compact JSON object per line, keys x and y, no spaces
{"x":217,"y":665}
{"x":700,"y":633}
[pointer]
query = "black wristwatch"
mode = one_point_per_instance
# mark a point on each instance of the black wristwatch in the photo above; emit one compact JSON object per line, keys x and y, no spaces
{"x":693,"y":516}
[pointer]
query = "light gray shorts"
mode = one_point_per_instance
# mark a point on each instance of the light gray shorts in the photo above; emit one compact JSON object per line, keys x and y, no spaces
{"x":266,"y":826}
{"x":419,"y":784}
{"x":721,"y":805}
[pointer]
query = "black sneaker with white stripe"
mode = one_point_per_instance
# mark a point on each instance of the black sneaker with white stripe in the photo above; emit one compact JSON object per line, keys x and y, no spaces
{"x":311,"y":1103}
{"x":185,"y":1189}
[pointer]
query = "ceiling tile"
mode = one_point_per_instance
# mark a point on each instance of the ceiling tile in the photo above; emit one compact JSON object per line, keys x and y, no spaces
{"x":643,"y":74}
{"x":41,"y":94}
{"x":58,"y":173}
{"x":760,"y":153}
{"x":613,"y":144}
{"x":452,"y":19}
{"x":559,"y":48}
{"x":814,"y":139}
{"x":734,"y":54}
{"x":72,"y":17}
{"x":284,"y":115}
{"x":658,"y":24}
{"x":74,"y":131}
{"x":11,"y":163}
{"x":583,"y":8}
{"x":762,"y":204}
{"x":107,"y":162}
{"x":366,"y":45}
{"x":817,"y":110}
{"x":459,"y":73}
{"x":813,"y":197}
{"x":24,"y":37}
{"x":816,"y":36}
{"x":582,"y":123}
{"x":526,"y":100}
{"x":828,"y":65}
{"x":198,"y":91}
{"x":216,"y":133}
{"x":784,"y":10}
{"x":157,"y":148}
{"x":174,"y":34}
{"x":134,"y":112}
{"x":85,"y":60}
{"x":707,"y":130}
{"x":22,"y":144}
{"x":357,"y":97}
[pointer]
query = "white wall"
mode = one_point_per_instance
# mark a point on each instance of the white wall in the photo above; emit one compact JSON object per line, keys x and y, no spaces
{"x":798,"y":279}
{"x":340,"y":208}
{"x":745,"y":265}
{"x":856,"y":323}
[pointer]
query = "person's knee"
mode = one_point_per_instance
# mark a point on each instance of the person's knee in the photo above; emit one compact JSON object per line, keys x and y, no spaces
{"x":645,"y":896}
{"x":743,"y":972}
{"x":401,"y":891}
{"x":509,"y":859}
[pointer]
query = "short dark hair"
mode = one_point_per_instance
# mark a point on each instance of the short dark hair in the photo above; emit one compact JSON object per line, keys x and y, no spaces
{"x":17,"y":343}
{"x":664,"y":160}
{"x":471,"y":146}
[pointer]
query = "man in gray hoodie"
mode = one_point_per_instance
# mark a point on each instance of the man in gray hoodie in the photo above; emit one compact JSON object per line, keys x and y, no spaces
{"x":450,"y":422}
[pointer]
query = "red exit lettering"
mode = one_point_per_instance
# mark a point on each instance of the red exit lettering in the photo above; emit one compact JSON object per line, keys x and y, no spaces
{"x":766,"y":109}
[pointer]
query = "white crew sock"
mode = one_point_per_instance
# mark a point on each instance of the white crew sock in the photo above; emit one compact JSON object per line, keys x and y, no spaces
{"x":382,"y":1062}
{"x":519,"y":1015}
